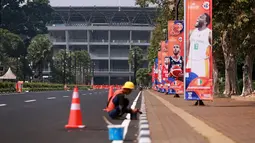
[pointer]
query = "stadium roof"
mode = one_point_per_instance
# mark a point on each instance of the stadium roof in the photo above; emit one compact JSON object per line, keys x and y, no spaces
{"x":63,"y":15}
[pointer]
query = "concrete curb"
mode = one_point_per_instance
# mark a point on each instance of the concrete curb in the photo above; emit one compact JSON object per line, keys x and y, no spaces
{"x":144,"y":131}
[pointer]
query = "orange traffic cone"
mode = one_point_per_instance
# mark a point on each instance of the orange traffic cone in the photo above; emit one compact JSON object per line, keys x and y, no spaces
{"x":110,"y":94}
{"x":75,"y":117}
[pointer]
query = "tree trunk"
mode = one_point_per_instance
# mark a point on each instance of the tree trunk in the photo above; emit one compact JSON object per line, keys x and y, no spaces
{"x":230,"y":65}
{"x":216,"y":89}
{"x":247,"y":74}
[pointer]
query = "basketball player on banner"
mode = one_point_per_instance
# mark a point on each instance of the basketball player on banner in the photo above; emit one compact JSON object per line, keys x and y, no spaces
{"x":198,"y":50}
{"x":175,"y":70}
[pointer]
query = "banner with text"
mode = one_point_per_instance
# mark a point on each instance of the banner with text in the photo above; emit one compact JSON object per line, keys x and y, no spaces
{"x":198,"y":44}
{"x":176,"y":52}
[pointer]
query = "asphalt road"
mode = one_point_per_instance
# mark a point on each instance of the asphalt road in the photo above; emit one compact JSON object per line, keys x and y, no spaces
{"x":41,"y":118}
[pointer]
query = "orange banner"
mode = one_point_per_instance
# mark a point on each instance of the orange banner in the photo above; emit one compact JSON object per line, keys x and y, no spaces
{"x":198,"y":39}
{"x":159,"y":66}
{"x":164,"y":61}
{"x":176,"y":52}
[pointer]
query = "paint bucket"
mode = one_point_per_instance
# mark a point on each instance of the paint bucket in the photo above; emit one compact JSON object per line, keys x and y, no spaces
{"x":133,"y":116}
{"x":116,"y":132}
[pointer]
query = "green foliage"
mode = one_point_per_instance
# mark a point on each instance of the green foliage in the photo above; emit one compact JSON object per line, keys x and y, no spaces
{"x":11,"y":44}
{"x":142,"y":76}
{"x":79,"y":60}
{"x":139,"y":56}
{"x":39,"y":53}
{"x":26,"y":19}
{"x":39,"y":50}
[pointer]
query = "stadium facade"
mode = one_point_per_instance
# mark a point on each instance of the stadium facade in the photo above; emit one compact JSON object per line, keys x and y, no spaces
{"x":107,"y":33}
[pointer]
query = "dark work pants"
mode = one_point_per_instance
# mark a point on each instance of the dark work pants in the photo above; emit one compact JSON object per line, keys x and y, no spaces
{"x":116,"y":112}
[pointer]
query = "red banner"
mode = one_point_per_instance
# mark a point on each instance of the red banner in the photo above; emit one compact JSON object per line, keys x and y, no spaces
{"x":198,"y":39}
{"x":176,"y":52}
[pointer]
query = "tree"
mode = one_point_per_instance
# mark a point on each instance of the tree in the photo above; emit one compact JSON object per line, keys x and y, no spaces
{"x":142,"y":76}
{"x":83,"y":65}
{"x":10,"y":44}
{"x":232,"y":25}
{"x":139,"y":56}
{"x":165,"y":12}
{"x":10,"y":47}
{"x":40,"y":53}
{"x":77,"y":66}
{"x":26,"y":19}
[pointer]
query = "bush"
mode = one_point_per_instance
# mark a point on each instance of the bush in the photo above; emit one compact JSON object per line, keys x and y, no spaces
{"x":6,"y":87}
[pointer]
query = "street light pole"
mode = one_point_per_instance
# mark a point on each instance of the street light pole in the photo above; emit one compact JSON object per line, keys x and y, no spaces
{"x":93,"y":70}
{"x":75,"y":69}
{"x":64,"y":75}
{"x":176,"y":9}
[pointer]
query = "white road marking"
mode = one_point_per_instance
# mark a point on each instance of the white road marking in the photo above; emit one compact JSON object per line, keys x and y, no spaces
{"x":65,"y":96}
{"x":84,"y":94}
{"x":1,"y":105}
{"x":90,"y":93}
{"x":51,"y":98}
{"x":27,"y":101}
{"x":126,"y":122}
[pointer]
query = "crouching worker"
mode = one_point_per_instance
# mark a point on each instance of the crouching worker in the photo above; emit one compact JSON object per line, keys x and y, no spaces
{"x":117,"y":105}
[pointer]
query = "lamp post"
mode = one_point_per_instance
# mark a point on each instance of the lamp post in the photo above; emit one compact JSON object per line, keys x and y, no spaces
{"x":75,"y":71}
{"x":176,"y":9}
{"x":17,"y":68}
{"x":64,"y":74}
{"x":24,"y":68}
{"x":92,"y":70}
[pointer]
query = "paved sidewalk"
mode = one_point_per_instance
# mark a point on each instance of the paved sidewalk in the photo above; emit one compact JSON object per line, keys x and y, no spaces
{"x":226,"y":119}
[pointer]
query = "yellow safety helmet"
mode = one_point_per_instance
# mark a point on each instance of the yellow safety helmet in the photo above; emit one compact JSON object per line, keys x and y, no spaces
{"x":129,"y":85}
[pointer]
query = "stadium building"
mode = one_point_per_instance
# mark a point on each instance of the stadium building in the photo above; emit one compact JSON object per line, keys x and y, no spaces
{"x":107,"y":33}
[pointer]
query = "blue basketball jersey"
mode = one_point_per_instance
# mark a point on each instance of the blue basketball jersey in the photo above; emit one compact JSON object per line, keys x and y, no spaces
{"x":174,"y":61}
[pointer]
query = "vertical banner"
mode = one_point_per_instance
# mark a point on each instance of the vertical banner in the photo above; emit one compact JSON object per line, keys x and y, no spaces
{"x":160,"y":67}
{"x":156,"y":72}
{"x":153,"y":76}
{"x":176,"y":60}
{"x":198,"y":45}
{"x":165,"y":59}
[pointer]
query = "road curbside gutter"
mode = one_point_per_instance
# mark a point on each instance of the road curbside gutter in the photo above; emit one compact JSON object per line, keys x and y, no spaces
{"x":144,"y":131}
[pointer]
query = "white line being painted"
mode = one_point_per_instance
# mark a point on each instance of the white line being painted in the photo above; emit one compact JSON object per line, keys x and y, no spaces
{"x":2,"y":105}
{"x":51,"y":98}
{"x":27,"y":101}
{"x":126,"y":122}
{"x":65,"y":96}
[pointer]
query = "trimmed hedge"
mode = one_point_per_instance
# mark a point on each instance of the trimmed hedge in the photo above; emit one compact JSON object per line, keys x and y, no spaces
{"x":6,"y":87}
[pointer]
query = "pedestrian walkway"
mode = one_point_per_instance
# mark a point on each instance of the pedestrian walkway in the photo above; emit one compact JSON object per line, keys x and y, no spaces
{"x":174,"y":120}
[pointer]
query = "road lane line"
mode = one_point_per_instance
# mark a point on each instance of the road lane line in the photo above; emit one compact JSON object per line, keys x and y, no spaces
{"x":126,"y":122}
{"x":83,"y":94}
{"x":27,"y":101}
{"x":2,"y":105}
{"x":90,"y":93}
{"x":65,"y":96}
{"x":51,"y":98}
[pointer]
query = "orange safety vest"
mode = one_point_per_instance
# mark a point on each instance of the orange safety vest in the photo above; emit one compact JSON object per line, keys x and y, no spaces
{"x":110,"y":104}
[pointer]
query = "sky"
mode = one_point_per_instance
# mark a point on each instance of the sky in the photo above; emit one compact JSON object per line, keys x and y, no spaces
{"x":92,"y":2}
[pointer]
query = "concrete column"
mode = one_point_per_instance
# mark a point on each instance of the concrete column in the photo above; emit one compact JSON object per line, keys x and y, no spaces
{"x":151,"y":35}
{"x":109,"y":51}
{"x":88,"y":40}
{"x":130,"y":46}
{"x":67,"y":40}
{"x":109,"y":79}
